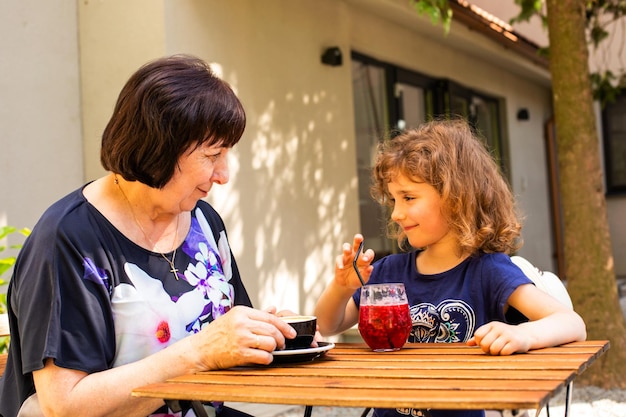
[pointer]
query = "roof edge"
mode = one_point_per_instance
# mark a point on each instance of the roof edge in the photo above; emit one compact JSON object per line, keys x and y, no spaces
{"x":497,"y":30}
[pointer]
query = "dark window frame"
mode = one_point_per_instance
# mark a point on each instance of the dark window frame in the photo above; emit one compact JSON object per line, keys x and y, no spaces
{"x":614,"y":186}
{"x":441,"y":91}
{"x":438,"y":94}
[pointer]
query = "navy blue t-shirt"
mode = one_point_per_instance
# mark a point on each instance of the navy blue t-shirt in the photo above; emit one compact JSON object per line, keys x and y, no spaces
{"x":91,"y":299}
{"x":448,"y":307}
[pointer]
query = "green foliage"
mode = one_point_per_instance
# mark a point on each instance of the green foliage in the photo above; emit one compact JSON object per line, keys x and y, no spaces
{"x":439,"y":11}
{"x":606,"y":86}
{"x":528,"y":9}
{"x":599,"y":15}
{"x":5,"y":264}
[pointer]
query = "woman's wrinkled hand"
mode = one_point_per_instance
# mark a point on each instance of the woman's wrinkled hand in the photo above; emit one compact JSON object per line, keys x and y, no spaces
{"x":242,"y":336}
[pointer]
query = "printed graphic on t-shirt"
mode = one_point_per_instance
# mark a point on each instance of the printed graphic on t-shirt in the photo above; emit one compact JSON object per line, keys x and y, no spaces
{"x":147,"y":318}
{"x":450,"y":321}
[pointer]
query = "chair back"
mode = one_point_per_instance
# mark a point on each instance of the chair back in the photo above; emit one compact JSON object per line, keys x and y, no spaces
{"x":544,"y":280}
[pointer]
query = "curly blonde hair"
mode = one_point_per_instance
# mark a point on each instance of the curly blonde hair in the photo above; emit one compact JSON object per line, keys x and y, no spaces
{"x":477,"y":200}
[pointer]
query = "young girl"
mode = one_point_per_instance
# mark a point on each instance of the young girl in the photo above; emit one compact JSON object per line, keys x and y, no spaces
{"x":451,"y":205}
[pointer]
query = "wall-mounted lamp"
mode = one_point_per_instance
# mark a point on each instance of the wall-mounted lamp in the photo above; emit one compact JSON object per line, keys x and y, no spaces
{"x":522,"y":114}
{"x":332,"y":56}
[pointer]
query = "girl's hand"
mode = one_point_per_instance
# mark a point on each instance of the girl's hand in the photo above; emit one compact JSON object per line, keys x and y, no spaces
{"x":551,"y":323}
{"x":345,"y":275}
{"x":497,"y":338}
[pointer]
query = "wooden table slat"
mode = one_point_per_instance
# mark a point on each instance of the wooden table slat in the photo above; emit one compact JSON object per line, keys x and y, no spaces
{"x":390,"y":383}
{"x":349,"y":397}
{"x":573,"y":363}
{"x":412,"y":349}
{"x":406,"y":374}
{"x":454,"y":365}
{"x":443,"y":357}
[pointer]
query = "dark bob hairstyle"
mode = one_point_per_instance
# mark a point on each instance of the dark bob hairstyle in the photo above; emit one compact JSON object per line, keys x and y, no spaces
{"x":169,"y":106}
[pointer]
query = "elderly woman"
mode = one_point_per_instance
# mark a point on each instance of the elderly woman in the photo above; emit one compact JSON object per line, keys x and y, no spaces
{"x":130,"y":279}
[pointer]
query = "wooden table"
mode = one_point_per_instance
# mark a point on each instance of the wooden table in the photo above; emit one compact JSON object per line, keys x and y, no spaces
{"x":436,"y":376}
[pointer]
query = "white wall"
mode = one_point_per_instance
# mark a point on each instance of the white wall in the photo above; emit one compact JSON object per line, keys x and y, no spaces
{"x":40,"y":141}
{"x":116,"y":38}
{"x":292,"y":199}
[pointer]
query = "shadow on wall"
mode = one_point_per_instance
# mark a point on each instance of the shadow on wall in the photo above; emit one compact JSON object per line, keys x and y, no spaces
{"x":293,"y":212}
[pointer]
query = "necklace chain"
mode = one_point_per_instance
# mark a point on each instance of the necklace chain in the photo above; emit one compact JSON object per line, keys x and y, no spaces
{"x":173,"y":269}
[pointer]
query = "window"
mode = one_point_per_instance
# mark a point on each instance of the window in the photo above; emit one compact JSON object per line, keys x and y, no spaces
{"x":614,"y":123}
{"x":389,"y":99}
{"x":371,"y":115}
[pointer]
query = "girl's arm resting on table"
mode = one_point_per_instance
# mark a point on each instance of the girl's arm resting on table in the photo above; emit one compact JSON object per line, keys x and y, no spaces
{"x":550,"y":324}
{"x":228,"y":341}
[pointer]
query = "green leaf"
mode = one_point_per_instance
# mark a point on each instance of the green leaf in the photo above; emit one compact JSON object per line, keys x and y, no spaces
{"x":6,"y":263}
{"x":4,"y":344}
{"x":606,"y":87}
{"x":598,"y":34}
{"x":439,"y":12}
{"x":528,"y":9}
{"x":6,"y":230}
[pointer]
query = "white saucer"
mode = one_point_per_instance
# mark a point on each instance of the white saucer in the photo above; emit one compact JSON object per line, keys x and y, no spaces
{"x":302,"y":355}
{"x":323,"y":347}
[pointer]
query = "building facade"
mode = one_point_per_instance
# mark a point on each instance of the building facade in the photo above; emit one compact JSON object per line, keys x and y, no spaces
{"x":297,"y":188}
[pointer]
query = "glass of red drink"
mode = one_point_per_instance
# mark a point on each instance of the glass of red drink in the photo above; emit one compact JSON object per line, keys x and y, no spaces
{"x":384,"y":318}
